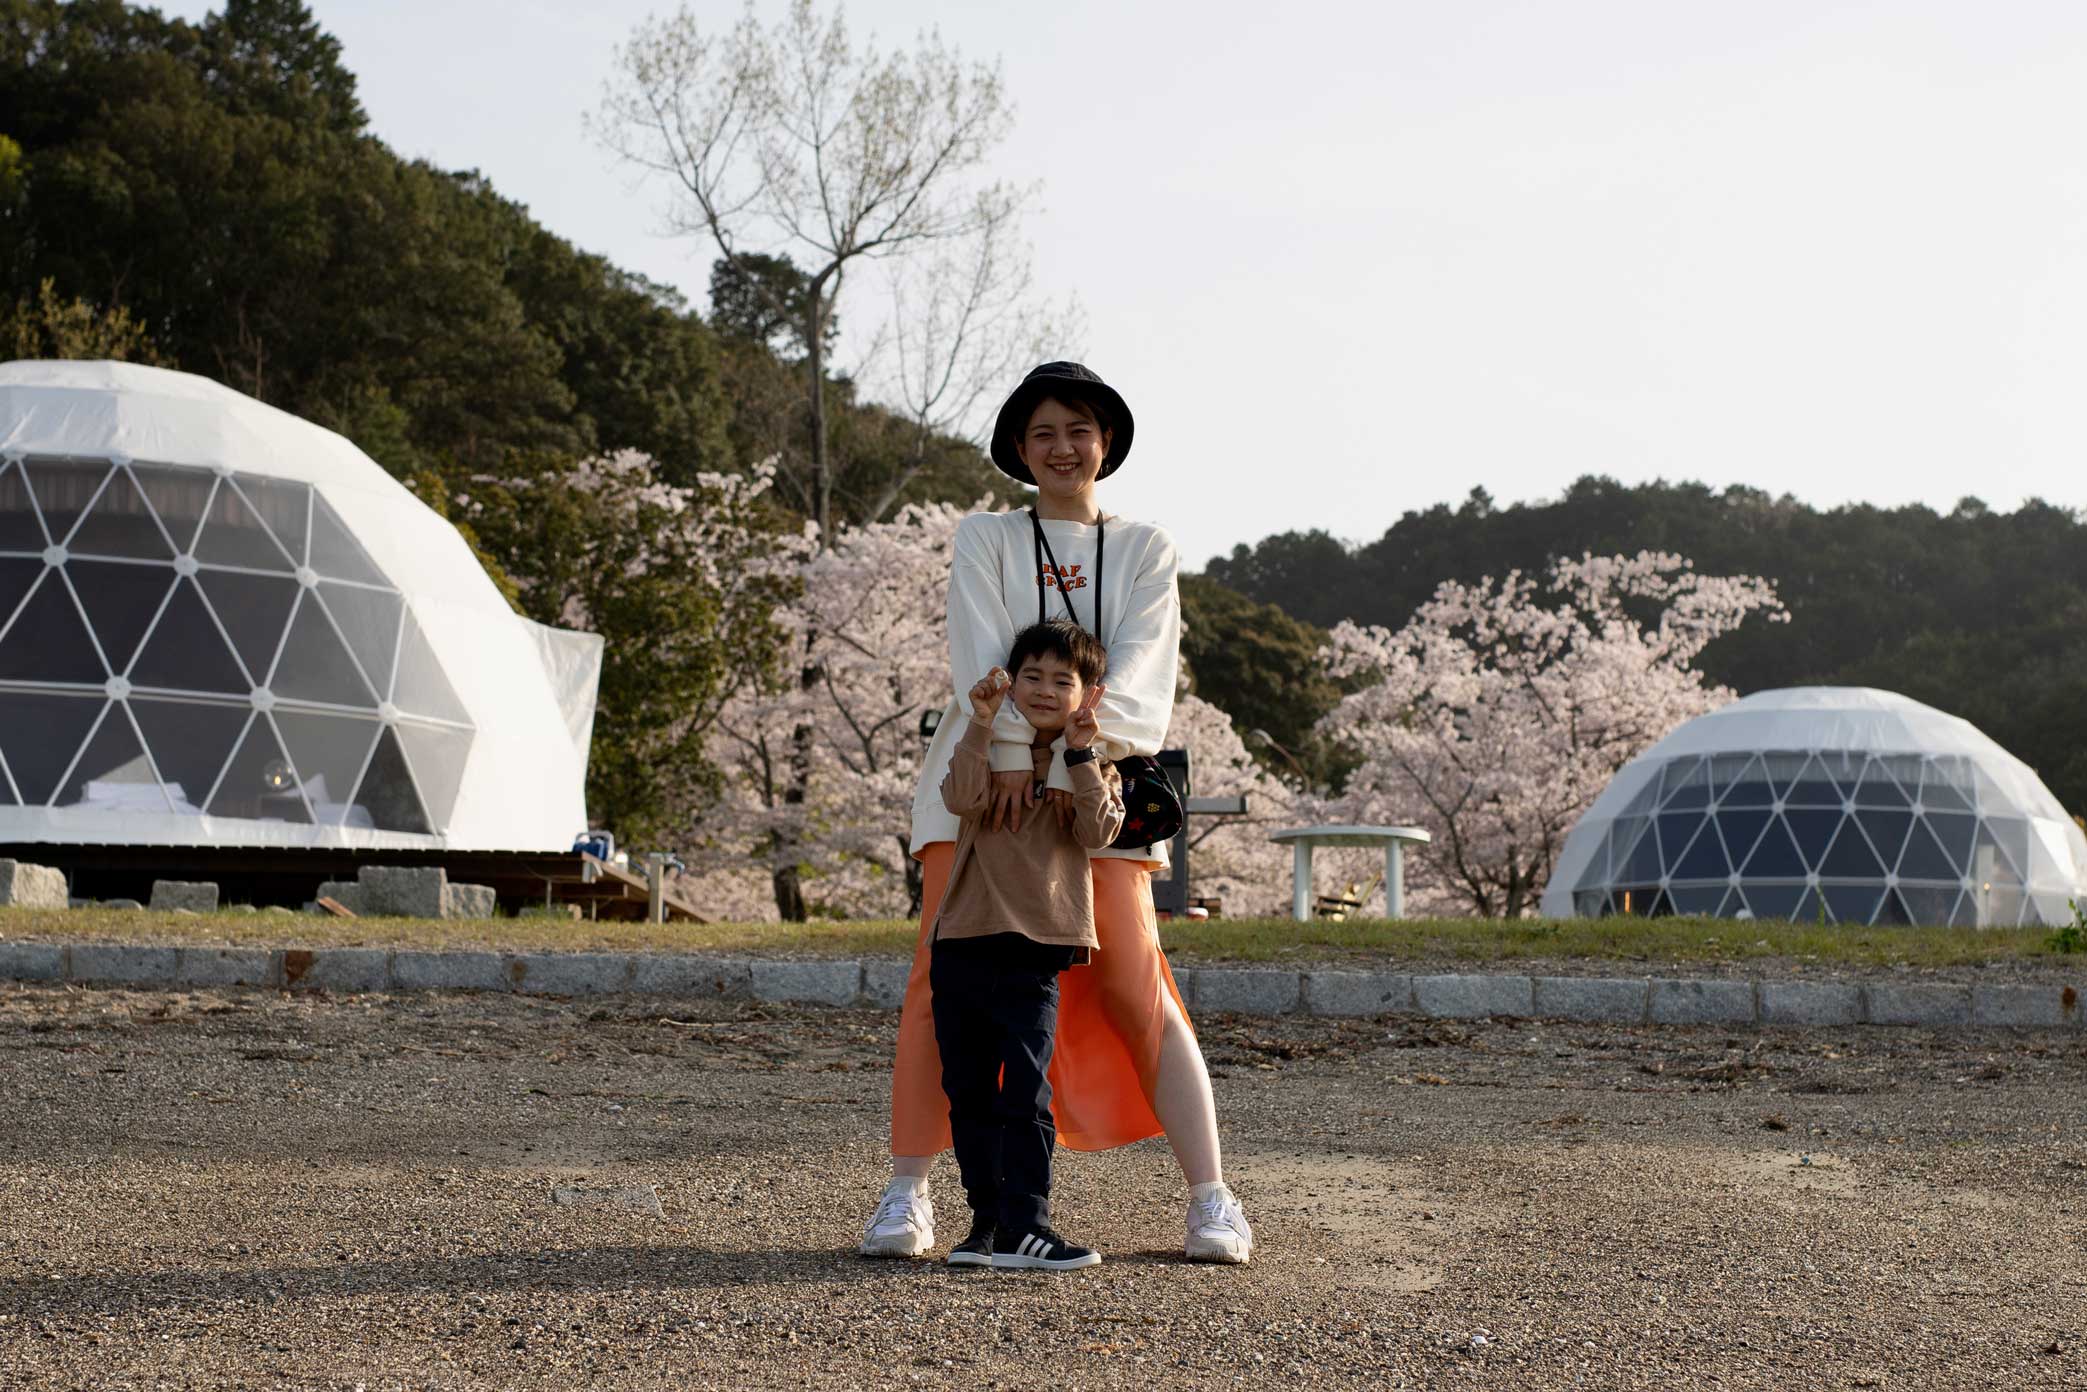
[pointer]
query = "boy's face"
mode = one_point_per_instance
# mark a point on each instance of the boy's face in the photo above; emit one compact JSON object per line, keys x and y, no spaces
{"x":1047,"y":691}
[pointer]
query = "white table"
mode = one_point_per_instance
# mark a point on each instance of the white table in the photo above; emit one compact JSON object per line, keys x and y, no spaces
{"x":1392,"y":839}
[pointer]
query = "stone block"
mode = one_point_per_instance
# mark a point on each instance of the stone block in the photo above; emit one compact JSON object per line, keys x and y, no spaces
{"x":32,"y":961}
{"x":131,"y":904}
{"x":404,"y":891}
{"x":468,"y":901}
{"x":2023,"y":1007}
{"x":1607,"y":1000}
{"x":172,"y":896}
{"x":1247,"y":992}
{"x":569,"y":973}
{"x":347,"y":970}
{"x":1811,"y":1003}
{"x":819,"y":983}
{"x":687,"y":974}
{"x":884,"y":981}
{"x":25,"y":886}
{"x":1185,"y":983}
{"x":1357,"y":993}
{"x":1701,"y":1002}
{"x":1928,"y":1006}
{"x":346,"y":893}
{"x":449,"y":971}
{"x":1474,"y":997}
{"x":226,"y":966}
{"x":122,"y":964}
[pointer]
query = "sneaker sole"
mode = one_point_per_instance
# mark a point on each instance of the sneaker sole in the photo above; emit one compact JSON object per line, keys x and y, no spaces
{"x":970,"y":1259}
{"x":1223,"y":1254}
{"x":891,"y":1247}
{"x":1015,"y":1262}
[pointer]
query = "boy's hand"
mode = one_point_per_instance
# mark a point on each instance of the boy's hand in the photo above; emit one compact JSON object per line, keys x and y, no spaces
{"x":1082,"y":727}
{"x":987,"y":695}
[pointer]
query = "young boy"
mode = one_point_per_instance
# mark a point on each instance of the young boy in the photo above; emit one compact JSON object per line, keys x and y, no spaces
{"x":1019,"y":909}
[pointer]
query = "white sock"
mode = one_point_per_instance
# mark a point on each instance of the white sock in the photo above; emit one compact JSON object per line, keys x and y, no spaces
{"x":902,"y":1184}
{"x":1204,"y":1191}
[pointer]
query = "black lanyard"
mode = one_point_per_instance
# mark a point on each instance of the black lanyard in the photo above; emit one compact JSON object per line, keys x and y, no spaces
{"x":1042,"y":549}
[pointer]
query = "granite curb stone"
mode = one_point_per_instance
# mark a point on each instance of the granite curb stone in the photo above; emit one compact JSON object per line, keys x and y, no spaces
{"x":352,"y":970}
{"x":1811,"y":1003}
{"x":33,"y":961}
{"x":2023,"y":1007}
{"x":1246,"y":992}
{"x":818,"y":983}
{"x":1689,"y":1001}
{"x":1474,"y":997}
{"x":227,"y":966}
{"x":881,"y":982}
{"x":121,"y":964}
{"x":884,"y":982}
{"x":690,"y":974}
{"x":1892,"y":1003}
{"x":450,"y":971}
{"x":569,"y":973}
{"x":1604,"y":1000}
{"x":1339,"y":993}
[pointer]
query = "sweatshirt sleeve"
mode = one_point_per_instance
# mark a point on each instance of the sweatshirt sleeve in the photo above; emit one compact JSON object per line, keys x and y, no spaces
{"x":1098,"y":804}
{"x":1144,"y":657}
{"x":966,"y":789}
{"x":981,"y":631}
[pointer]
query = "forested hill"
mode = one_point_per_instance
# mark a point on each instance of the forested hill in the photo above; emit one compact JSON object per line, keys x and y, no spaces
{"x":1981,"y":613}
{"x":209,"y":197}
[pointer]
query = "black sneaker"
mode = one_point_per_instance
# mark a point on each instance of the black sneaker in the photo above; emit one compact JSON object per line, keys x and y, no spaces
{"x":977,"y":1249}
{"x":1040,"y":1249}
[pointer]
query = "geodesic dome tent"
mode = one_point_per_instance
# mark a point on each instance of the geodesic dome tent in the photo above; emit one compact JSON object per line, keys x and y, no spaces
{"x":1863,"y":804}
{"x":221,"y":624}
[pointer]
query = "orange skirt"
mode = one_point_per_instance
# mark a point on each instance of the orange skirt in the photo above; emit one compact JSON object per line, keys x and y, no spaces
{"x":1111,"y":1019}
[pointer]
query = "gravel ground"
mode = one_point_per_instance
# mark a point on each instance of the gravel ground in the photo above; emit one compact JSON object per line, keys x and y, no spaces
{"x":250,"y":1189}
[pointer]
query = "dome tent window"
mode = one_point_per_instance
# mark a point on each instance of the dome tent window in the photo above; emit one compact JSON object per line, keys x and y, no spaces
{"x":1855,"y":806}
{"x":219,"y":623}
{"x":219,"y":618}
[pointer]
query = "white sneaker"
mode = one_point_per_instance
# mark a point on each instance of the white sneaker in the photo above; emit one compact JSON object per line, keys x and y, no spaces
{"x":902,"y":1226}
{"x":1218,"y":1230}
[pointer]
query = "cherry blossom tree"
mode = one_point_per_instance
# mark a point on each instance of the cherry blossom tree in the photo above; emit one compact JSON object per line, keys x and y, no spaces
{"x":820,"y":776}
{"x":1501,"y":709}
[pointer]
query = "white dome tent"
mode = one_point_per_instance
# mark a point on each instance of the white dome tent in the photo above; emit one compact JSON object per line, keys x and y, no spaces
{"x":1862,"y":805}
{"x":224,"y":625}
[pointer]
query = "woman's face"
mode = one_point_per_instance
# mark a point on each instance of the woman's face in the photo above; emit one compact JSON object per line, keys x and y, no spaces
{"x":1063,"y":449}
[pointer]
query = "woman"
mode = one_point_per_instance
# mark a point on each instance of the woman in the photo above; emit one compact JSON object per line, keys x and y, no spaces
{"x":1127,"y":1065}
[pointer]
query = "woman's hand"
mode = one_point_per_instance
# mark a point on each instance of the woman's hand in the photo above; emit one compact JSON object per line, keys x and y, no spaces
{"x":1060,"y":801}
{"x":1012,"y":791}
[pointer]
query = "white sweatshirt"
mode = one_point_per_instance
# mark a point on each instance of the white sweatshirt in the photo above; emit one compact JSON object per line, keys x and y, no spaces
{"x":994,"y":583}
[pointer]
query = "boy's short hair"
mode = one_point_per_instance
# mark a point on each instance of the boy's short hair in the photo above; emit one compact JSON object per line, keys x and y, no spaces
{"x":1064,"y":640}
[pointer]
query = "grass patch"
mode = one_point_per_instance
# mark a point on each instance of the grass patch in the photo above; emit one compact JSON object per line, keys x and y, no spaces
{"x":1666,"y":940}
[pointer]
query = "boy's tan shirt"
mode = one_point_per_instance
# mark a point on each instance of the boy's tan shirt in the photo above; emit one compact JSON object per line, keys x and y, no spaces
{"x":1035,"y":881}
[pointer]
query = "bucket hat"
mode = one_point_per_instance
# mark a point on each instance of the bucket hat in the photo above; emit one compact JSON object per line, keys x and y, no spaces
{"x":1051,"y":380}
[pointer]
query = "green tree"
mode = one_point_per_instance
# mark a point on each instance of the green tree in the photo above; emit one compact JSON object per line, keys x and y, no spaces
{"x":1261,"y":667}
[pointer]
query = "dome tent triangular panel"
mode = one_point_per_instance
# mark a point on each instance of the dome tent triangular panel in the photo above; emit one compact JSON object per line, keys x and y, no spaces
{"x":297,"y":583}
{"x":1875,"y":809}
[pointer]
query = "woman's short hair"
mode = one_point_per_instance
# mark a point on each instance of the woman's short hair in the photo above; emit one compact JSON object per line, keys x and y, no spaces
{"x":1066,"y":641}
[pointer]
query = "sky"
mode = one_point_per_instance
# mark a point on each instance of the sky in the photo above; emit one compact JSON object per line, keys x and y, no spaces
{"x":1347,"y":260}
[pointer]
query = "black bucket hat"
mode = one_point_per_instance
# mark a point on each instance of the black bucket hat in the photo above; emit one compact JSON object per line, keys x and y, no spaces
{"x":1058,"y":379}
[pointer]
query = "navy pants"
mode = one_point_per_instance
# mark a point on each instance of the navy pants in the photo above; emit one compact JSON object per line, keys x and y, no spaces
{"x":996,"y":1020}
